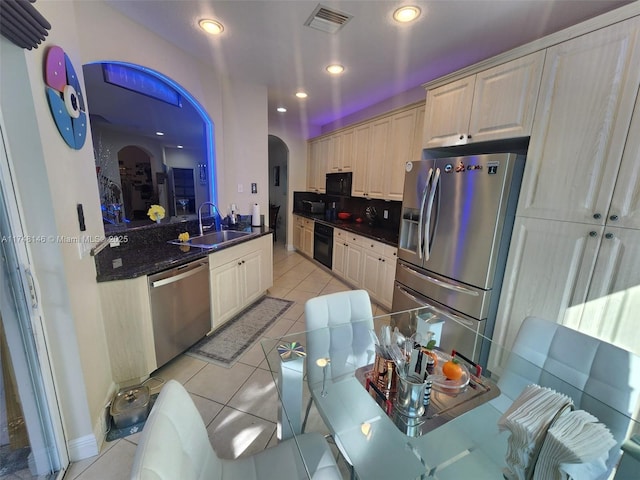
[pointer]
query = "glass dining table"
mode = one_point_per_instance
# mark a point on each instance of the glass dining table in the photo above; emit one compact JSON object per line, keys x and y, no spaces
{"x":456,"y":436}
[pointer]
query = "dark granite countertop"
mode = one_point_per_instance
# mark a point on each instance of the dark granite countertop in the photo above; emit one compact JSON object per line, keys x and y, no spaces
{"x":146,"y":251}
{"x":384,"y":235}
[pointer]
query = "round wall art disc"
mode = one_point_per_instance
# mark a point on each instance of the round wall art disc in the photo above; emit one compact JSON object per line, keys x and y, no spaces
{"x":65,"y":98}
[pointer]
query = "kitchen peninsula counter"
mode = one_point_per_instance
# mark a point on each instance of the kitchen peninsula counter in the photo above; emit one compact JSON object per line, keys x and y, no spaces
{"x":384,"y":235}
{"x":144,"y":250}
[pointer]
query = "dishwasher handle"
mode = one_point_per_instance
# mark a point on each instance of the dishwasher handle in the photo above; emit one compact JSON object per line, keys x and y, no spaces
{"x":180,"y":276}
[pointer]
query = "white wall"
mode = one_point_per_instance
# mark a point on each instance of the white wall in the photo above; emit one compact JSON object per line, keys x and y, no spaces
{"x":53,"y":178}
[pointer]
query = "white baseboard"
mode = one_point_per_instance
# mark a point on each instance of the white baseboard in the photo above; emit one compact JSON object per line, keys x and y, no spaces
{"x":83,"y":447}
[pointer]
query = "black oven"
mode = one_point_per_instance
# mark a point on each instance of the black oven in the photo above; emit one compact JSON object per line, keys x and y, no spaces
{"x":323,"y":244}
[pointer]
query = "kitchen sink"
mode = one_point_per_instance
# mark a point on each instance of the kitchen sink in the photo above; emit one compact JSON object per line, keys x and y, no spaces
{"x":215,"y":239}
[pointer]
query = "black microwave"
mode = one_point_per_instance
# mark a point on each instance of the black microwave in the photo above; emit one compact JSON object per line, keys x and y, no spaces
{"x":339,"y":184}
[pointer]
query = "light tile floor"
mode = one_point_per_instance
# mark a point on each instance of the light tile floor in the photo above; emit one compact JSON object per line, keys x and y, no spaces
{"x":238,"y":404}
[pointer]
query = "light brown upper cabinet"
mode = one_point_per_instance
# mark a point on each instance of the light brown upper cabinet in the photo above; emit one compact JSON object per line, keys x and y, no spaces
{"x":498,"y":103}
{"x":589,"y":87}
{"x":341,"y":151}
{"x":318,"y":153}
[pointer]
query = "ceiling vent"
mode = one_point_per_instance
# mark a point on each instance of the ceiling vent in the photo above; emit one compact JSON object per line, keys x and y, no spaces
{"x":327,"y":20}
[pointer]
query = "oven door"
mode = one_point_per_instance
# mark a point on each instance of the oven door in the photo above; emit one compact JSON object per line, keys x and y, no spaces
{"x":460,"y":332}
{"x":323,"y":244}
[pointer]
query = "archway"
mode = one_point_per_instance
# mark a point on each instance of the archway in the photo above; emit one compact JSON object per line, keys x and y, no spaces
{"x":278,"y":190}
{"x":134,"y":105}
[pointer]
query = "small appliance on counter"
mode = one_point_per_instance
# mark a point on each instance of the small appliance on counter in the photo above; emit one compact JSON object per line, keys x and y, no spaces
{"x":312,"y":207}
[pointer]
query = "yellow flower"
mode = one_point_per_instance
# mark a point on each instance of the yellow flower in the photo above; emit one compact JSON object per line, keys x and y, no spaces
{"x":184,"y":237}
{"x":156,"y":212}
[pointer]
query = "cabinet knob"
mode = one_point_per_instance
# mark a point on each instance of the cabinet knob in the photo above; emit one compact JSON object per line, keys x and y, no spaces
{"x":597,"y":216}
{"x":469,"y":136}
{"x":608,"y":236}
{"x":461,"y":137}
{"x":593,"y":234}
{"x":239,"y":263}
{"x":613,"y":218}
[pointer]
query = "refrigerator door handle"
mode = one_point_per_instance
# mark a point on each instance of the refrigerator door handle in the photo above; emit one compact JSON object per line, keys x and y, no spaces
{"x":441,"y":283}
{"x":427,"y":233}
{"x":453,"y":316}
{"x":423,"y":201}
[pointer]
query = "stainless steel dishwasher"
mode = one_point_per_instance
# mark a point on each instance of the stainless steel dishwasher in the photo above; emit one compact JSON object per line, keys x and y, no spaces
{"x":180,"y":308}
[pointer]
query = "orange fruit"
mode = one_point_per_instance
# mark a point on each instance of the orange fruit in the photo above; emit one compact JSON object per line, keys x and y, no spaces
{"x":452,"y":370}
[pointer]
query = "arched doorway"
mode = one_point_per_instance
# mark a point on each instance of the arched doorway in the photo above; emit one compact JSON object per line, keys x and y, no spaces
{"x":133,"y":105}
{"x":278,"y":192}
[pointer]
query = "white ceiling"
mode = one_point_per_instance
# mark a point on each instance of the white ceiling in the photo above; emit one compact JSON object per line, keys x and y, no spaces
{"x":266,"y":42}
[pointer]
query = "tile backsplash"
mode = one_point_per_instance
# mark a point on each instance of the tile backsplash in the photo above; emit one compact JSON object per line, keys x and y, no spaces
{"x":356,"y":206}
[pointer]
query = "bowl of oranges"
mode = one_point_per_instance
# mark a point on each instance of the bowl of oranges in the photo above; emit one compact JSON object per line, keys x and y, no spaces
{"x":449,"y":375}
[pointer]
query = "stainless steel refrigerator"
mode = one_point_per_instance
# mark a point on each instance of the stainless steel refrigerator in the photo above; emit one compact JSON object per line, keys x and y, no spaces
{"x":457,"y":219}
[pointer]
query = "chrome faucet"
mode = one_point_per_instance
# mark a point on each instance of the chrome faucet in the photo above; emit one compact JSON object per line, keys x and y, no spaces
{"x":217,"y":219}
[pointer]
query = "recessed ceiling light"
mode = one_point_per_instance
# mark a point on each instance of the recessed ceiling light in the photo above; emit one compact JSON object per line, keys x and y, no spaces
{"x":406,"y":14}
{"x":301,"y":95}
{"x":281,"y":109}
{"x":180,"y":146}
{"x":211,"y":26}
{"x":160,"y":134}
{"x":335,"y":69}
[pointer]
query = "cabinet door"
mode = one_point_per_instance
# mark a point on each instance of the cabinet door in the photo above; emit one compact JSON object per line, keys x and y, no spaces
{"x":226,"y":291}
{"x":589,"y":86}
{"x":361,"y":146}
{"x":548,"y":269}
{"x":403,"y":127}
{"x":446,"y":118}
{"x":354,"y":263}
{"x":317,"y":164}
{"x":333,"y":160}
{"x":344,"y":151}
{"x":386,"y":278}
{"x":418,"y":134}
{"x":378,"y":156}
{"x":371,"y":266}
{"x":298,"y":227}
{"x":251,"y":266}
{"x":624,"y":210}
{"x":505,"y":98}
{"x":307,"y":240}
{"x":338,"y":265}
{"x":613,"y":302}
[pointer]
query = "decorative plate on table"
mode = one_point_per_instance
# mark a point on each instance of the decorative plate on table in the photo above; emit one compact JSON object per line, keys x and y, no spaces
{"x":441,"y":383}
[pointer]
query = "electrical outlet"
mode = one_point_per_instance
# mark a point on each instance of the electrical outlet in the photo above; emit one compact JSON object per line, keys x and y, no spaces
{"x":240,"y":188}
{"x":254,"y":188}
{"x":385,"y":214}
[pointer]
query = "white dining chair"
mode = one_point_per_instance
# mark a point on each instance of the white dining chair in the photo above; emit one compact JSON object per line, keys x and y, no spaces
{"x":175,"y":445}
{"x":347,"y":344}
{"x":600,"y":378}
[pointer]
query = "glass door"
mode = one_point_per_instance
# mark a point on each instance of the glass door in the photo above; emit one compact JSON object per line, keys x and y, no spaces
{"x":31,"y":439}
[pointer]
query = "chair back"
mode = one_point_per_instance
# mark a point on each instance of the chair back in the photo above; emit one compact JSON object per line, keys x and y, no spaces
{"x":572,"y":362}
{"x":348,"y":343}
{"x":174,"y":441}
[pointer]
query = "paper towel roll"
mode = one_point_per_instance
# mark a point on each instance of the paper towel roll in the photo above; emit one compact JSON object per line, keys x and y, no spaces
{"x":255,"y":215}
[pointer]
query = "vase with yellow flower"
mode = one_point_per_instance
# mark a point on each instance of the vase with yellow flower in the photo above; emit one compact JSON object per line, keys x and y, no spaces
{"x":156,"y":213}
